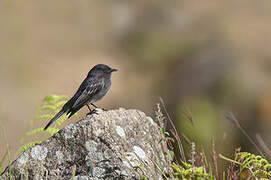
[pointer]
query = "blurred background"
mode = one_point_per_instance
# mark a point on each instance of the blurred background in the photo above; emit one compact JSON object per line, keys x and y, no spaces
{"x":208,"y":56}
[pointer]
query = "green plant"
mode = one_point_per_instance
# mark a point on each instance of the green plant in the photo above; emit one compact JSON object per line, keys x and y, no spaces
{"x":7,"y":154}
{"x":244,"y":166}
{"x":183,"y":169}
{"x":3,"y":160}
{"x":50,"y":106}
{"x":187,"y":171}
{"x":257,"y":166}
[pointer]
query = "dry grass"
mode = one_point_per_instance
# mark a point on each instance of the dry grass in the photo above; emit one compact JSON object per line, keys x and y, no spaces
{"x":243,"y":165}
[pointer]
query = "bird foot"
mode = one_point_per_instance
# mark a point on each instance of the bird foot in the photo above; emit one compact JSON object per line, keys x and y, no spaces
{"x":94,"y":111}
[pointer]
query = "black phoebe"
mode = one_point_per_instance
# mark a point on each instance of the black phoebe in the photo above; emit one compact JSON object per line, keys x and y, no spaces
{"x":92,"y":89}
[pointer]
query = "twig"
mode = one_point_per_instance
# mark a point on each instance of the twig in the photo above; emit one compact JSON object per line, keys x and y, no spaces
{"x":73,"y":171}
{"x":231,"y":174}
{"x":186,"y":139}
{"x":174,"y":132}
{"x":202,"y":162}
{"x":232,"y":118}
{"x":214,"y":158}
{"x":193,"y":160}
{"x":193,"y":154}
{"x":228,"y":159}
{"x":163,"y":174}
{"x":187,"y":113}
{"x":263,"y":145}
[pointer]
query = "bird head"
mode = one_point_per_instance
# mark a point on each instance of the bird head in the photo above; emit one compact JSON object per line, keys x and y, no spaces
{"x":101,"y":69}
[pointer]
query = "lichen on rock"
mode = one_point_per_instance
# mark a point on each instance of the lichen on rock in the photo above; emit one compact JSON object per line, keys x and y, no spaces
{"x":107,"y":145}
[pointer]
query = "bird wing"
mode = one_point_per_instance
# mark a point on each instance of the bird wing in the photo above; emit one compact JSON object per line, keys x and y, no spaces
{"x":91,"y":89}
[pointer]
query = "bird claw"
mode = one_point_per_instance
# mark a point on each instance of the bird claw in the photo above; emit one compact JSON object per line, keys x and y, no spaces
{"x":94,"y":111}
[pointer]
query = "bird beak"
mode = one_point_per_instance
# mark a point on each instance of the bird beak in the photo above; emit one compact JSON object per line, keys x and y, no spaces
{"x":112,"y":70}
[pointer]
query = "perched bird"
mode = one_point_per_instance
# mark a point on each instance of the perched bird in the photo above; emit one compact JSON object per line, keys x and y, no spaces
{"x":92,"y":89}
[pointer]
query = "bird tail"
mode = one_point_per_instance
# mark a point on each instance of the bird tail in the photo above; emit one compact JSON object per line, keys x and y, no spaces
{"x":58,"y":115}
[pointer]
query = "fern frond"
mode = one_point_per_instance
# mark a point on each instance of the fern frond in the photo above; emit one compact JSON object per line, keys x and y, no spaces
{"x":188,"y":172}
{"x":41,"y":117}
{"x":50,"y":103}
{"x":53,"y":98}
{"x":47,"y":107}
{"x":60,"y":120}
{"x":31,"y":133}
{"x":44,"y":116}
{"x":51,"y":130}
{"x":257,"y":165}
{"x":26,"y":146}
{"x":60,"y":103}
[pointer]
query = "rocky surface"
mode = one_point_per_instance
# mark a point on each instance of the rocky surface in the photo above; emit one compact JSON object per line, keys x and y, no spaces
{"x":115,"y":144}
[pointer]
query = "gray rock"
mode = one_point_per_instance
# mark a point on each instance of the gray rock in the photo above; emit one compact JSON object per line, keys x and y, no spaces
{"x":115,"y":144}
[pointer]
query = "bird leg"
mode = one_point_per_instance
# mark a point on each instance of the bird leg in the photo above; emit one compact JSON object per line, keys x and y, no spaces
{"x":94,"y":111}
{"x":97,"y":106}
{"x":88,"y":108}
{"x":94,"y":105}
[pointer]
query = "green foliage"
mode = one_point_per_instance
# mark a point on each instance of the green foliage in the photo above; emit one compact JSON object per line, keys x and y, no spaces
{"x":3,"y":160}
{"x":6,"y":156}
{"x":244,"y":166}
{"x":50,"y":106}
{"x":190,"y":171}
{"x":172,"y":170}
{"x":257,"y":165}
{"x":28,"y":145}
{"x":170,"y":154}
{"x":187,"y":171}
{"x":143,"y":177}
{"x":50,"y":130}
{"x":140,"y":167}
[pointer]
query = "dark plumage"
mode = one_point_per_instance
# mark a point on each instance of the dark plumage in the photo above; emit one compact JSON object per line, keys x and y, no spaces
{"x":92,"y":89}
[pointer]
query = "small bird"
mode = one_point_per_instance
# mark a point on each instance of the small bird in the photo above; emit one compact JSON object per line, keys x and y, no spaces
{"x":92,"y":89}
